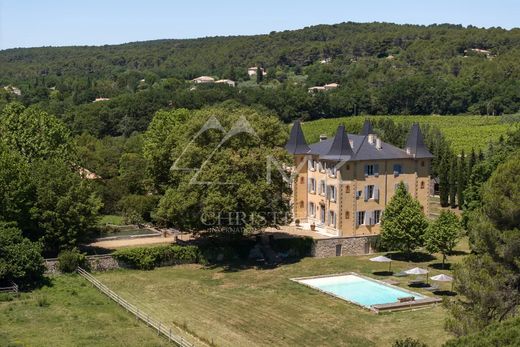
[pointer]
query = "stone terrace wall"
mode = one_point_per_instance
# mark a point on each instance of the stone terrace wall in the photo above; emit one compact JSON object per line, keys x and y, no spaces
{"x":95,"y":262}
{"x":353,"y":245}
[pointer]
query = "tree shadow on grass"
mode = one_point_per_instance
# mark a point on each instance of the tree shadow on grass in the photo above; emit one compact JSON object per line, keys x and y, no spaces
{"x":439,"y":266}
{"x":383,"y":273}
{"x":416,"y":257}
{"x":445,"y":293}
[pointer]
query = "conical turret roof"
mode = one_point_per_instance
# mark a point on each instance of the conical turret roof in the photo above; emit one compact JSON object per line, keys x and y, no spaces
{"x":415,"y":143}
{"x":340,"y":148}
{"x":297,"y":143}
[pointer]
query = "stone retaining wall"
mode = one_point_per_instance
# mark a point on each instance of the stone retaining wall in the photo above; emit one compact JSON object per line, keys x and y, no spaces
{"x":95,"y":263}
{"x":353,"y":245}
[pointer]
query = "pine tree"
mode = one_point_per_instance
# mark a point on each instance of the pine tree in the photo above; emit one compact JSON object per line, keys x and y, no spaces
{"x":453,"y":181}
{"x":461,"y":179}
{"x":403,"y":223}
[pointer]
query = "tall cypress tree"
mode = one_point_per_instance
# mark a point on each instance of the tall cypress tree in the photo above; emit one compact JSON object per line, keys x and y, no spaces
{"x":471,"y":162}
{"x":453,"y":181}
{"x":461,"y":179}
{"x":444,"y":184}
{"x":259,"y":74}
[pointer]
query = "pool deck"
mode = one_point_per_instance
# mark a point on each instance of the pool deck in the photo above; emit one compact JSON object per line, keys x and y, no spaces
{"x":377,"y":308}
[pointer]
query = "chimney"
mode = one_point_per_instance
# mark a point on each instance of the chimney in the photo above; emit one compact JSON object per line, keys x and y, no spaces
{"x":371,"y":138}
{"x":378,"y":143}
{"x":351,"y":142}
{"x":323,"y":137}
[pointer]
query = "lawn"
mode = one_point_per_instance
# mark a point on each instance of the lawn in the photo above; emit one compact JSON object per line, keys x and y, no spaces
{"x":110,"y":219}
{"x":70,"y":312}
{"x":258,"y":307}
{"x":464,"y":132}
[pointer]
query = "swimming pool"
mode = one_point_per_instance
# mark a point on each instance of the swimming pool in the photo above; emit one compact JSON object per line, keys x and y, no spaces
{"x":361,"y":290}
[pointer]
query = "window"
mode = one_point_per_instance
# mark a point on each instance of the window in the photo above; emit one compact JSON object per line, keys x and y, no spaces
{"x":312,"y":209}
{"x":332,"y":218}
{"x":302,"y":204}
{"x":422,"y":184}
{"x":331,"y":193}
{"x":422,"y":163}
{"x":321,"y":189}
{"x":358,"y":194}
{"x":371,"y":192}
{"x":347,"y":189}
{"x":397,"y":169}
{"x":301,"y":179}
{"x":332,"y":171}
{"x":347,"y":215}
{"x":312,"y":185}
{"x":348,"y":167}
{"x":371,"y":170}
{"x":360,"y":218}
{"x":311,"y":164}
{"x":321,"y":166}
{"x":377,"y":217}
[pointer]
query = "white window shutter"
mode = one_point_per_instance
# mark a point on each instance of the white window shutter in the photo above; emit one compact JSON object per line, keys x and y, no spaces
{"x":376,"y":193}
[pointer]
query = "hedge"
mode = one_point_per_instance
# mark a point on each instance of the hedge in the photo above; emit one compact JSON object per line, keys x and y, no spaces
{"x":147,"y":258}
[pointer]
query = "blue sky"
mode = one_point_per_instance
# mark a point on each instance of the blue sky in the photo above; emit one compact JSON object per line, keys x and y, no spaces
{"x":28,"y":23}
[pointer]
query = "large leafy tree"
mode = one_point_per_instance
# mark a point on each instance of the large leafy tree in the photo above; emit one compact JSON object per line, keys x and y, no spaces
{"x":442,"y":234}
{"x":65,"y":207}
{"x":221,"y":173}
{"x":20,"y":259}
{"x":403,"y":223}
{"x":35,"y":134}
{"x":489,"y":279}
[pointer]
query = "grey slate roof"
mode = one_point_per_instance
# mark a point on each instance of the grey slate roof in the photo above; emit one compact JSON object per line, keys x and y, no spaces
{"x":415,"y":143}
{"x":297,"y":143}
{"x":367,"y":128}
{"x":339,"y":148}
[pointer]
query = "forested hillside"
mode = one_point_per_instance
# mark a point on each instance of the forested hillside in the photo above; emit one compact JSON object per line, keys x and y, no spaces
{"x":381,"y":68}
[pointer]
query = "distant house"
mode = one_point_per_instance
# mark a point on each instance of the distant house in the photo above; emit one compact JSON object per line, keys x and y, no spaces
{"x":101,"y":99}
{"x":228,"y":82}
{"x":252,"y":71}
{"x":331,"y":86}
{"x":87,"y":174}
{"x":485,"y":52}
{"x":323,"y":88}
{"x":13,"y":90}
{"x":316,"y":89}
{"x":203,"y":79}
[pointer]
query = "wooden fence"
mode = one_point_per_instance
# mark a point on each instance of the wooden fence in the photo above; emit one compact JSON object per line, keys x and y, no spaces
{"x":153,"y":323}
{"x":13,"y":289}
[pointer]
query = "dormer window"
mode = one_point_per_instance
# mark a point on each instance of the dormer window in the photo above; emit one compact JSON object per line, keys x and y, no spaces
{"x":311,"y":163}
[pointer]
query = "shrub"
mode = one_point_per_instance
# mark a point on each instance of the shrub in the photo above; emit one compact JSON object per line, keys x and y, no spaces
{"x":408,"y":342}
{"x":69,"y":260}
{"x":42,"y":301}
{"x":295,"y":246}
{"x":147,"y":258}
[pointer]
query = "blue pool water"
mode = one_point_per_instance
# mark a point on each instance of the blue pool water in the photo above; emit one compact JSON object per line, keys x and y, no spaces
{"x":359,"y":290}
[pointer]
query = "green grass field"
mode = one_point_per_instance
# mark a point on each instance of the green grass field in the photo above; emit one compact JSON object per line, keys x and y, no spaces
{"x":70,"y":312}
{"x":259,"y":307}
{"x":464,"y":132}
